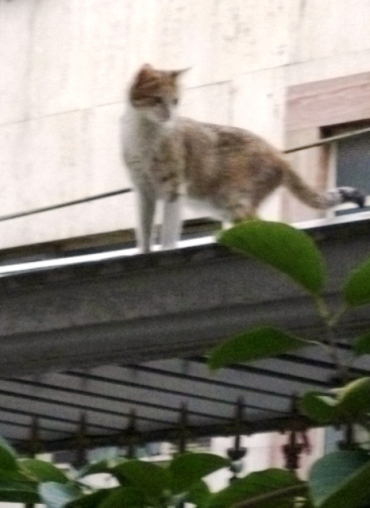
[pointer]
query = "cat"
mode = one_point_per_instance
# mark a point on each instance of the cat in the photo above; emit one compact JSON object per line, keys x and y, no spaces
{"x":231,"y":170}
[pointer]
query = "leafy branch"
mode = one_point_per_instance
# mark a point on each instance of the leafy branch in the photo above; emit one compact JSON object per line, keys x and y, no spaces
{"x":294,"y":254}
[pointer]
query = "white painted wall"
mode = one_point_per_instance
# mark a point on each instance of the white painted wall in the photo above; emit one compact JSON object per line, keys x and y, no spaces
{"x":66,"y":63}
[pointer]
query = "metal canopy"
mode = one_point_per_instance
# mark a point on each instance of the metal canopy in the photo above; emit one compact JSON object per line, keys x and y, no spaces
{"x":87,"y":346}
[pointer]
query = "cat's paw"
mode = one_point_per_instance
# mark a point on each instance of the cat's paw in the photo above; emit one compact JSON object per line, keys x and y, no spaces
{"x":352,"y":195}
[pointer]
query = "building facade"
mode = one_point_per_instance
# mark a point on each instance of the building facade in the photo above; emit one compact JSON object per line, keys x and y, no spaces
{"x":66,"y":66}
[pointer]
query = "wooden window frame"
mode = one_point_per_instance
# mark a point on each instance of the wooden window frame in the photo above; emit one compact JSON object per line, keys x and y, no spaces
{"x":313,"y":109}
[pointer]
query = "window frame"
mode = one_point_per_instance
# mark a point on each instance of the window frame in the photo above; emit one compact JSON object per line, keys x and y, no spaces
{"x":324,"y":106}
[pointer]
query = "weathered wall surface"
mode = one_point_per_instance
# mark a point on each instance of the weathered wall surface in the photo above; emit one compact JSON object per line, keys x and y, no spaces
{"x":65,"y":65}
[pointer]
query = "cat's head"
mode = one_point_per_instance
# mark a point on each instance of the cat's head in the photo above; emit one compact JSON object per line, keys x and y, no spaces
{"x":155,"y":93}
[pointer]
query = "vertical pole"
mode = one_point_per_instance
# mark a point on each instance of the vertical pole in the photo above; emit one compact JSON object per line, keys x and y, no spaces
{"x":81,"y":442}
{"x":237,"y":452}
{"x":183,"y":427}
{"x":348,"y":437}
{"x":293,"y":449}
{"x":34,"y":444}
{"x":132,"y":435}
{"x":292,"y":452}
{"x":183,"y":433}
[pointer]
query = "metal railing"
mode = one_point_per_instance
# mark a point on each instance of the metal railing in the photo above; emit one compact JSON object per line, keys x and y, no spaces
{"x":18,"y":215}
{"x":329,"y":140}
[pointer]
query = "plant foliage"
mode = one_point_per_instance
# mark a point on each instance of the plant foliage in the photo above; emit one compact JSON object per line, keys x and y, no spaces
{"x":339,"y":479}
{"x":288,"y":250}
{"x":254,"y":344}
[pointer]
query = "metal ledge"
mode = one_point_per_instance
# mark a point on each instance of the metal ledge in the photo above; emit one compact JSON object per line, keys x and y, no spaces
{"x":98,"y":337}
{"x":160,"y":305}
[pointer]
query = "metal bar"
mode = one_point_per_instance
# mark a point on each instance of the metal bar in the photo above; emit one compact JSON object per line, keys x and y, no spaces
{"x":183,"y":428}
{"x":81,"y":442}
{"x":167,"y":434}
{"x":328,"y":140}
{"x":34,"y":445}
{"x":63,"y":205}
{"x":236,"y":453}
{"x":132,"y":435}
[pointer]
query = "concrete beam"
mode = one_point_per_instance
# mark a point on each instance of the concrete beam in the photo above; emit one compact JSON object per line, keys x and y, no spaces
{"x":162,"y":305}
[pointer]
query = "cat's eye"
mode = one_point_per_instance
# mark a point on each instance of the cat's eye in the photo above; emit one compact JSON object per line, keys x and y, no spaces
{"x":158,"y":100}
{"x":175,"y":101}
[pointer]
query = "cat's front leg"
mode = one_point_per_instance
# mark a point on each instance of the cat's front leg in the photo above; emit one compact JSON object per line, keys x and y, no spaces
{"x":147,"y":202}
{"x":171,"y":225}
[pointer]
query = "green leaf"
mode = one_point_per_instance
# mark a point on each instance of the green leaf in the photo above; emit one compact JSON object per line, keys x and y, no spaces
{"x":361,"y":345}
{"x":199,"y":494}
{"x":90,"y":500}
{"x":8,"y":457}
{"x":147,"y":477}
{"x":356,"y":289}
{"x":43,"y":471}
{"x":261,"y":342}
{"x":122,"y":496}
{"x":58,"y":495}
{"x":188,"y":468}
{"x":19,"y":492}
{"x":354,"y":398}
{"x":278,"y":485}
{"x":18,"y":475}
{"x":319,"y":407}
{"x":341,"y":480}
{"x":348,"y":404}
{"x":283,"y":247}
{"x":103,"y":466}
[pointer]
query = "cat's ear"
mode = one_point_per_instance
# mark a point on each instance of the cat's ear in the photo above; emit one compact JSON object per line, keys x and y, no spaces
{"x":180,"y":72}
{"x":144,"y":72}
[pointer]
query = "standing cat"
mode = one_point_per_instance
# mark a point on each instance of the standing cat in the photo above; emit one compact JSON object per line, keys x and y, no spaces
{"x":230,"y":170}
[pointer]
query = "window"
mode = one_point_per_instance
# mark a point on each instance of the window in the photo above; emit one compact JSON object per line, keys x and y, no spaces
{"x":351,"y":159}
{"x":323,"y":109}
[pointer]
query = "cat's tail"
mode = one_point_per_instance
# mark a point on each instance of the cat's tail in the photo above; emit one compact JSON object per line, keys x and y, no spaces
{"x":320,"y":200}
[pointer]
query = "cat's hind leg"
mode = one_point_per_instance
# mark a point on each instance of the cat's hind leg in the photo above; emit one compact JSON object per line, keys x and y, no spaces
{"x":171,"y":225}
{"x":241,"y":210}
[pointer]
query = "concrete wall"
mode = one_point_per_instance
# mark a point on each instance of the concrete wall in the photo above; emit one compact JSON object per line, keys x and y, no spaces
{"x":66,"y":63}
